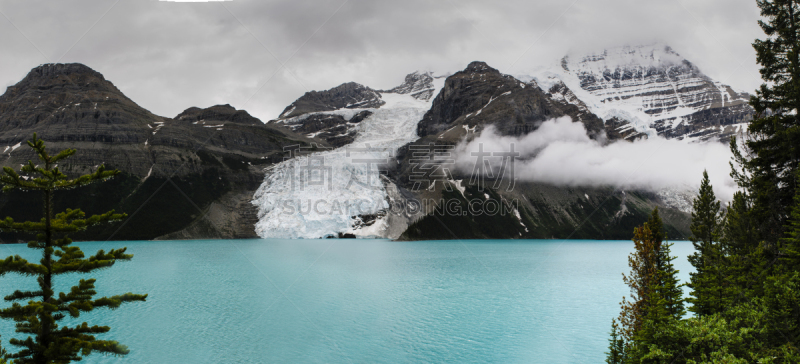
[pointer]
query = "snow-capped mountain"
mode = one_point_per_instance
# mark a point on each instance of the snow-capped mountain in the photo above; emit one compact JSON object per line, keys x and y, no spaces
{"x":419,"y":85}
{"x":348,"y":95}
{"x":652,"y":90}
{"x":624,"y":93}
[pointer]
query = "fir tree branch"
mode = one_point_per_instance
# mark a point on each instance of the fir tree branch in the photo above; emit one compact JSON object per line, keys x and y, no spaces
{"x":21,"y":266}
{"x":21,"y":295}
{"x":114,"y":302}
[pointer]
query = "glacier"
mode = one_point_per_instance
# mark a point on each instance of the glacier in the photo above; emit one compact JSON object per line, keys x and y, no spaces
{"x":321,"y":194}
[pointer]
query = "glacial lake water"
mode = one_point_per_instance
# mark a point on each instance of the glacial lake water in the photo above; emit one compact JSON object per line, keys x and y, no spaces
{"x":358,"y":301}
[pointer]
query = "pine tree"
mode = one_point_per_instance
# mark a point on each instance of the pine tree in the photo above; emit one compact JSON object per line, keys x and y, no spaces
{"x":616,"y":346}
{"x":3,"y":355}
{"x":668,"y":287}
{"x":776,"y":129}
{"x":742,"y":258}
{"x":790,"y":245}
{"x":656,"y":297}
{"x":706,"y":282}
{"x":641,"y":281}
{"x":656,"y":226}
{"x":51,"y":343}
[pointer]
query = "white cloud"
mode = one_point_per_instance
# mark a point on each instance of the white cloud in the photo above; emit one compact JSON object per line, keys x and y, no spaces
{"x":560,"y":152}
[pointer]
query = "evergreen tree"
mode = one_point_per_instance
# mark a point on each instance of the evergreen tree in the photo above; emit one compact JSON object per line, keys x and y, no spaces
{"x":3,"y":355}
{"x":656,"y":298}
{"x":668,"y":287}
{"x":616,"y":346}
{"x":776,"y":129}
{"x":641,"y":280}
{"x":656,"y":226}
{"x":706,"y":282}
{"x":743,"y":259}
{"x":51,"y":343}
{"x":746,"y":291}
{"x":790,"y":246}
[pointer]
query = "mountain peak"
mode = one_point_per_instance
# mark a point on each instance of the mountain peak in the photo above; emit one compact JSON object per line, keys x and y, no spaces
{"x":61,"y":77}
{"x":418,"y":84}
{"x":350,"y":95}
{"x":657,"y":91}
{"x":217,"y":113}
{"x":479,"y":67}
{"x":56,"y":69}
{"x":647,"y":55}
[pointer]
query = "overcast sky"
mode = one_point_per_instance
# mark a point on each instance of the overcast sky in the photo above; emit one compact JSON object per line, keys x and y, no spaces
{"x":261,"y":55}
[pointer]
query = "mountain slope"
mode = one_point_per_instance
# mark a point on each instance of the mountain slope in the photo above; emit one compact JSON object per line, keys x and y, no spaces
{"x":437,"y":113}
{"x":655,"y":90}
{"x":219,"y":172}
{"x":480,"y":95}
{"x":350,"y":196}
{"x":198,"y":169}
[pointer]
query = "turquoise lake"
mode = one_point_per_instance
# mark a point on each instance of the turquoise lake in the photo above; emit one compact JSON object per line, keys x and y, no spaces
{"x":358,"y":301}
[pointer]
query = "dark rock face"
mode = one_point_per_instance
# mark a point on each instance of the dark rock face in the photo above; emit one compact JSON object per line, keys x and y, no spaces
{"x":417,"y":84}
{"x":357,"y":118}
{"x":622,"y":129}
{"x":332,"y":129}
{"x":718,"y":123}
{"x":543,"y":211}
{"x":480,"y":95}
{"x":349,"y":95}
{"x":175,"y":171}
{"x":71,"y":104}
{"x":225,"y":113}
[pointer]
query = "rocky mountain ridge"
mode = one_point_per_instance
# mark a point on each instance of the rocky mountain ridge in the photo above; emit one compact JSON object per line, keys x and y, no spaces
{"x":654,"y":90}
{"x":466,"y":103}
{"x":195,"y":175}
{"x":176,"y":171}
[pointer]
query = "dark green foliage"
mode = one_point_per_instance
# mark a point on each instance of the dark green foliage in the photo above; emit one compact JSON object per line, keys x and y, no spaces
{"x":742,"y":255}
{"x":668,"y":288}
{"x":790,"y":245}
{"x":763,"y":330}
{"x":656,"y":298}
{"x":746,"y":291}
{"x":706,"y":282}
{"x":616,"y":346}
{"x":656,"y":226}
{"x":165,"y":208}
{"x":776,"y":129}
{"x":50,"y":343}
{"x":166,"y":211}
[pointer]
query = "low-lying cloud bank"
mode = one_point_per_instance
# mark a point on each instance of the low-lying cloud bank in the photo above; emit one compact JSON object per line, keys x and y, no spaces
{"x":561,"y":153}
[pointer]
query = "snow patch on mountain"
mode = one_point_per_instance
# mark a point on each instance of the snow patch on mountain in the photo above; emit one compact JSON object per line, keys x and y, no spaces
{"x":652,"y":87}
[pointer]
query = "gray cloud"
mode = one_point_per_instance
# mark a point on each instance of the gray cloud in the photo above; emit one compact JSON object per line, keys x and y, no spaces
{"x":170,"y":56}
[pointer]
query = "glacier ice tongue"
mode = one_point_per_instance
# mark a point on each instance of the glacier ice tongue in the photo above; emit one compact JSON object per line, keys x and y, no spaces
{"x":320,"y":194}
